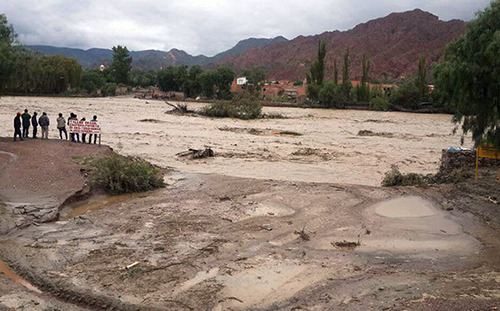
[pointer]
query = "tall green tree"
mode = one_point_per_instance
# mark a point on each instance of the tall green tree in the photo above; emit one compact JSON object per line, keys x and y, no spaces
{"x":223,"y":77}
{"x":207,"y":83}
{"x":346,"y":81}
{"x":122,"y":64}
{"x":421,"y":81}
{"x":8,"y":56}
{"x":193,"y":86}
{"x":469,"y":77}
{"x":316,"y":73}
{"x":335,"y":72}
{"x":363,"y":90}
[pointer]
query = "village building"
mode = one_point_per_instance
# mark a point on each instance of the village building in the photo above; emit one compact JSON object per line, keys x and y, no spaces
{"x":291,"y":91}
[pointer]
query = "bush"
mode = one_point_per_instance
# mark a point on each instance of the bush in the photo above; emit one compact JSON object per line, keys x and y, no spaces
{"x":118,"y":174}
{"x":395,"y":178}
{"x":406,"y":96}
{"x":379,"y":103}
{"x":329,"y":95}
{"x":109,"y":89}
{"x":92,"y":80}
{"x":245,"y":105}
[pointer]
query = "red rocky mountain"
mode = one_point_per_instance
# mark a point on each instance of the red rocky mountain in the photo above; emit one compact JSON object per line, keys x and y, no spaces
{"x":392,"y":43}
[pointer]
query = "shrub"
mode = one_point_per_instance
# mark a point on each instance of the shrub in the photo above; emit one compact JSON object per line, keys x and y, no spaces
{"x":395,"y":178}
{"x":406,"y":96}
{"x":329,"y":95}
{"x":92,"y":80}
{"x":118,"y":174}
{"x":109,"y":89}
{"x":379,"y":103}
{"x":245,"y":105}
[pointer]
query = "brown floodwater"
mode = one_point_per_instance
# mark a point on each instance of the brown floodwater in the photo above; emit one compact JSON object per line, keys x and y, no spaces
{"x":96,"y":204}
{"x":307,"y":145}
{"x":5,"y":269}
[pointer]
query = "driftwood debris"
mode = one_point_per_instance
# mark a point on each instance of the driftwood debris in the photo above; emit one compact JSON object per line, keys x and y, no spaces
{"x":132,"y":265}
{"x":345,"y":243}
{"x":197,"y":153}
{"x":180,"y":108}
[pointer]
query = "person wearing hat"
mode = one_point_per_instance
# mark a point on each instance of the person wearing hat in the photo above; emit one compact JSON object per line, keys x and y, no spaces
{"x":44,"y":123}
{"x":17,"y":126}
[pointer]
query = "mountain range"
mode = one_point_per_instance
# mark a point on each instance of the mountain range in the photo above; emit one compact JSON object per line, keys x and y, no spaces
{"x":392,"y":43}
{"x":152,"y":59}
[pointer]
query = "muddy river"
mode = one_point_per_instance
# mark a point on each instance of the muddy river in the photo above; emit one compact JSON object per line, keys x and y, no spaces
{"x":310,"y":145}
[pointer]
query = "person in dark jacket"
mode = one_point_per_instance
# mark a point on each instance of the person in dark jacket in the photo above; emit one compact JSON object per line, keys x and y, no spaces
{"x":26,"y":122}
{"x":72,"y":116}
{"x":94,"y":119}
{"x":83,"y":134}
{"x":44,"y":123}
{"x":34,"y":123}
{"x":17,"y":126}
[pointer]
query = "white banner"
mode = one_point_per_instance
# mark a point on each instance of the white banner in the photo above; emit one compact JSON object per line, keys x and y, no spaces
{"x":84,"y":127}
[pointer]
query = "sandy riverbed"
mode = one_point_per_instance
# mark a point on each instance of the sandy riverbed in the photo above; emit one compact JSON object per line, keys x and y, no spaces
{"x":329,"y":149}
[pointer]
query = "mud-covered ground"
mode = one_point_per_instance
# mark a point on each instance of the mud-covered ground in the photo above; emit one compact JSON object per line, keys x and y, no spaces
{"x":223,"y":242}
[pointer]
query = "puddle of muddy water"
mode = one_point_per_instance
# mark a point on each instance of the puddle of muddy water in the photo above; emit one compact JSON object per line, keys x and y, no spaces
{"x":96,"y":204}
{"x":412,"y":225}
{"x":410,"y":206}
{"x":5,"y":269}
{"x":260,"y":283}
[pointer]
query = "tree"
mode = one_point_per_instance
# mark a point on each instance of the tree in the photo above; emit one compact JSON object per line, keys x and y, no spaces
{"x":469,"y":77}
{"x":92,"y":80}
{"x":255,"y":76}
{"x":193,"y":87}
{"x":335,"y":72}
{"x":421,"y":81}
{"x":316,"y":73}
{"x":405,"y":95}
{"x":7,"y":53}
{"x":363,"y":90}
{"x":346,"y":81}
{"x":167,"y":79}
{"x":7,"y":34}
{"x":122,"y":64}
{"x":207,"y":83}
{"x":223,"y":77}
{"x":328,"y":95}
{"x":59,"y":74}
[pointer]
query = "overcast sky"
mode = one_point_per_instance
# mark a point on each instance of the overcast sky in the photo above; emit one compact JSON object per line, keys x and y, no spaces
{"x":201,"y":26}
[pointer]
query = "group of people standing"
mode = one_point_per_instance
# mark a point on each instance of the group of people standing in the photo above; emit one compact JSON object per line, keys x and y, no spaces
{"x":25,"y":120}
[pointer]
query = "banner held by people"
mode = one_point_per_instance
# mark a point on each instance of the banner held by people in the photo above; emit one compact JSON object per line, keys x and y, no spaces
{"x":85,"y":127}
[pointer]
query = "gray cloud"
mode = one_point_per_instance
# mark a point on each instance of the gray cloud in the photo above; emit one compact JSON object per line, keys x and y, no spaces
{"x":201,"y":26}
